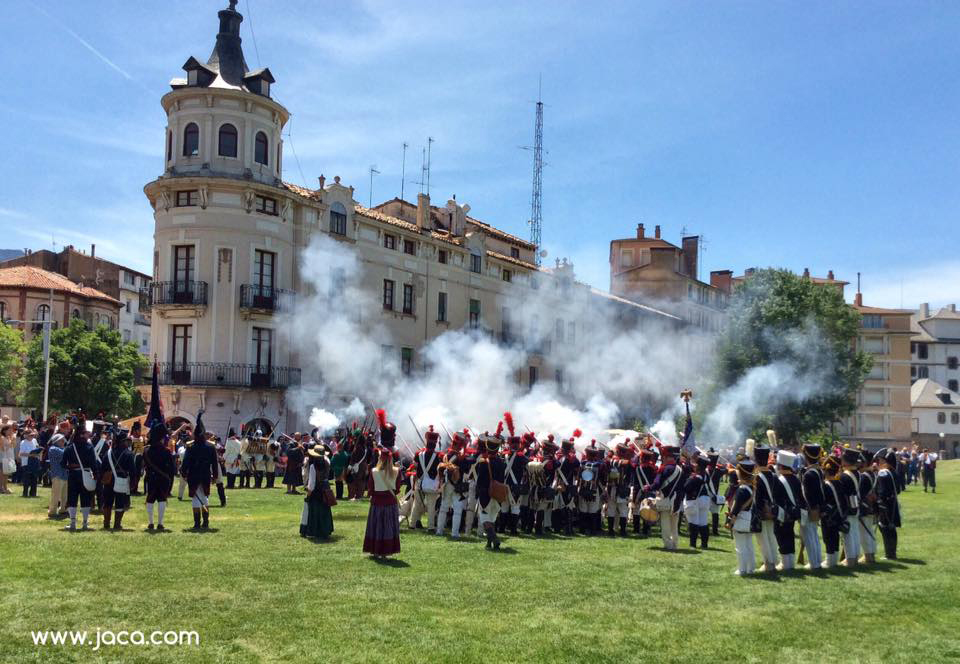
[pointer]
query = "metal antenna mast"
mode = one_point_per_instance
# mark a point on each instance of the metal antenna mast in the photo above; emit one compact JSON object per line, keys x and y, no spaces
{"x":373,"y":171}
{"x":429,"y":145}
{"x":403,"y":170}
{"x":423,"y":168}
{"x":536,"y":218}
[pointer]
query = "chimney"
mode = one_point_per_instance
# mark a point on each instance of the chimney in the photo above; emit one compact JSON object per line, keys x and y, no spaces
{"x":806,"y":273}
{"x":423,"y":211}
{"x":656,"y":232}
{"x":858,"y":300}
{"x":93,"y":250}
{"x":722,"y":279}
{"x":952,"y":308}
{"x":690,"y":248}
{"x":639,"y":231}
{"x":830,"y":275}
{"x":925,"y":310}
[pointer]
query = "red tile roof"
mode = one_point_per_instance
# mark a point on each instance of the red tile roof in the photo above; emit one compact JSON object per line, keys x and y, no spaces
{"x":33,"y":277}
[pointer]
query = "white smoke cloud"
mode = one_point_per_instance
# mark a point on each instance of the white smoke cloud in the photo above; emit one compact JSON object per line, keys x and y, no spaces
{"x":612,"y":371}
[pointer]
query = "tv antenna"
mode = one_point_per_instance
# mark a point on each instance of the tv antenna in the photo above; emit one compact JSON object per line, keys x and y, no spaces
{"x":373,"y":171}
{"x":403,"y":169}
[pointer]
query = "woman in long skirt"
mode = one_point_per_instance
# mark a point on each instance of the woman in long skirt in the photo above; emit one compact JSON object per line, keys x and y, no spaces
{"x":383,"y":521}
{"x":317,"y":519}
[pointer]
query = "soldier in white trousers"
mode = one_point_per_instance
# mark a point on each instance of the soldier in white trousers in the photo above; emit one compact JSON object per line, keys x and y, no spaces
{"x":811,"y":481}
{"x":740,"y":517}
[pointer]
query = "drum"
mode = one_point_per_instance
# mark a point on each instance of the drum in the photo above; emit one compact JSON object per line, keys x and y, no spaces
{"x":613,"y":475}
{"x":587,"y":475}
{"x":648,"y":510}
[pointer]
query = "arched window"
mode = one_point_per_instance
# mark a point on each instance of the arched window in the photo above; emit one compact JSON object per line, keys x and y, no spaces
{"x":75,"y":314}
{"x":191,"y":140}
{"x":227,"y":141}
{"x":338,"y":219}
{"x":169,"y":145}
{"x":260,"y":148}
{"x":43,"y":312}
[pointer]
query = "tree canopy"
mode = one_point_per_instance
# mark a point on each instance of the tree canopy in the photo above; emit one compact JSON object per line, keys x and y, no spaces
{"x":90,"y":369}
{"x":11,"y":362}
{"x":789,"y":353}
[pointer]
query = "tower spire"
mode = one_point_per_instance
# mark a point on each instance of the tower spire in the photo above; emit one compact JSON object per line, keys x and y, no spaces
{"x":536,"y":217}
{"x":227,"y":56}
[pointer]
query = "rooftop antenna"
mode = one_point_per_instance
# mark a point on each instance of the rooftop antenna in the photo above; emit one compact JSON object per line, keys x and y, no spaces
{"x":403,"y":170}
{"x":423,"y":168}
{"x":703,"y":250}
{"x":373,"y":171}
{"x":429,"y":145}
{"x":536,"y":216}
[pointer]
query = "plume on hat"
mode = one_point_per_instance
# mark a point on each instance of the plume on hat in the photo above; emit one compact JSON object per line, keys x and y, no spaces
{"x":499,"y":429}
{"x":772,"y":437}
{"x":508,"y":418}
{"x":577,"y":433}
{"x":381,"y":417}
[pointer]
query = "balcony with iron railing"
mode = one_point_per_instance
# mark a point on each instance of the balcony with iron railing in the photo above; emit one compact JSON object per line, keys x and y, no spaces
{"x":174,"y":293}
{"x":222,"y":374}
{"x":256,"y":297}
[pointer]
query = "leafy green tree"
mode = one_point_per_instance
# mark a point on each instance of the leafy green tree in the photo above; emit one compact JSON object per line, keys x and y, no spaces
{"x":11,"y":363}
{"x":802,"y":334}
{"x":92,"y":369}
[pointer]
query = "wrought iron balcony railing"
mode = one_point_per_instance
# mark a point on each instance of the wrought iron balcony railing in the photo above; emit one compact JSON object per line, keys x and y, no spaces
{"x":265,"y":298}
{"x":191,"y":293}
{"x":227,"y":375}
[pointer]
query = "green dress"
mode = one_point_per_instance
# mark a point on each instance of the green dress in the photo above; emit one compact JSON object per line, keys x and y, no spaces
{"x":317,"y":519}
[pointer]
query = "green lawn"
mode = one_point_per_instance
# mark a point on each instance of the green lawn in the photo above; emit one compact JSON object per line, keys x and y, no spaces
{"x":255,"y":591}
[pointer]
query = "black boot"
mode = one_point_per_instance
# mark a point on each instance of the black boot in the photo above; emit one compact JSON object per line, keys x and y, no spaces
{"x":501,"y":519}
{"x":889,"y":543}
{"x":623,"y":526}
{"x":610,"y":532}
{"x":230,"y":480}
{"x":117,"y":519}
{"x":258,"y":479}
{"x":206,"y":519}
{"x":271,"y":478}
{"x":636,"y":525}
{"x":692,"y":531}
{"x":704,"y":536}
{"x":716,"y":523}
{"x":568,"y":523}
{"x":196,"y":518}
{"x":106,"y":519}
{"x":645,"y":529}
{"x":513,"y":524}
{"x":596,"y":524}
{"x":538,"y":523}
{"x":223,"y":495}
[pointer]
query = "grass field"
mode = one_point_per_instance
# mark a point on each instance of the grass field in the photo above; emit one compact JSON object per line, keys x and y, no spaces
{"x":255,"y":591}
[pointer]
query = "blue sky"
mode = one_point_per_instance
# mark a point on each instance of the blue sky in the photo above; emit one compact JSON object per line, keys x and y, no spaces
{"x":821,"y":135}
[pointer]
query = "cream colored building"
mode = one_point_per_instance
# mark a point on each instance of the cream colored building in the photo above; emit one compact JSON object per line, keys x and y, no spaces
{"x":650,"y":269}
{"x":936,"y":418}
{"x":229,"y":233}
{"x":883,"y":414}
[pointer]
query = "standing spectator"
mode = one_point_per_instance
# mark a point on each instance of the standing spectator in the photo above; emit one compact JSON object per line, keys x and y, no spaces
{"x":29,"y":463}
{"x":58,"y":474}
{"x":912,"y":469}
{"x":293,"y":473}
{"x":929,"y":461}
{"x":7,"y":464}
{"x":338,"y":467}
